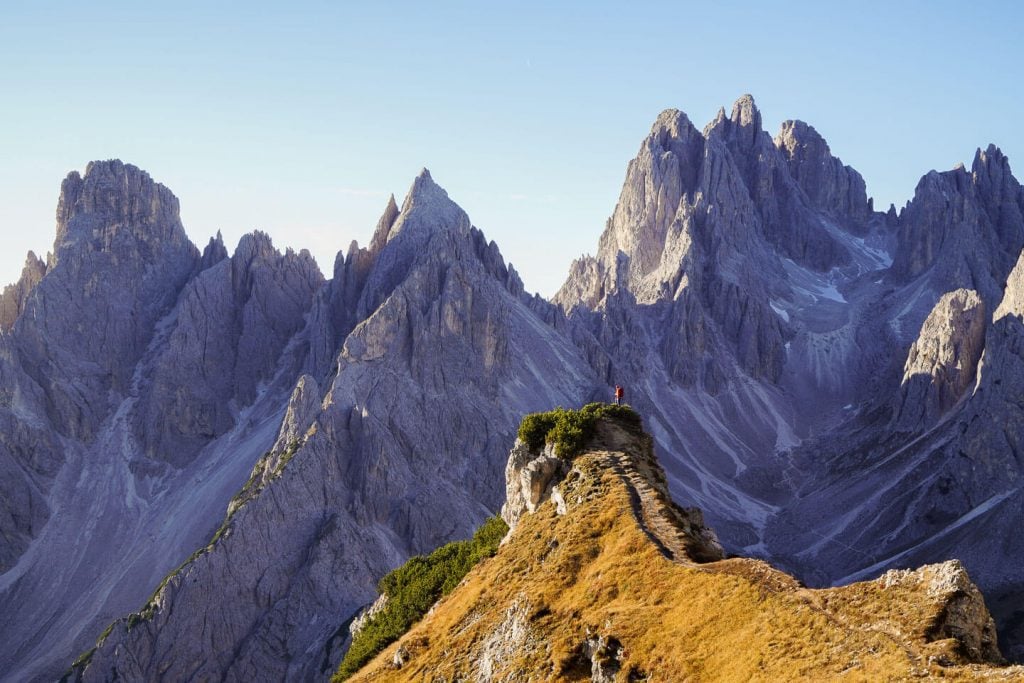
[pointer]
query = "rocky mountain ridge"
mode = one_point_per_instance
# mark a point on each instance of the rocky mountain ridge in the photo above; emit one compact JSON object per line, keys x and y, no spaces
{"x":443,"y":335}
{"x":760,"y":313}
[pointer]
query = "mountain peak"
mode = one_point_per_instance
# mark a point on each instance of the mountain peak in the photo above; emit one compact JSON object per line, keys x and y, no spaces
{"x":796,"y":132}
{"x":425,"y":193}
{"x":424,"y":184}
{"x":255,"y":244}
{"x":428,"y":207}
{"x":672,"y":124}
{"x":990,"y":161}
{"x":214,"y":253}
{"x":671,"y":119}
{"x":14,"y":296}
{"x":111,"y":197}
{"x":387,"y":219}
{"x":741,"y":129}
{"x":745,"y":112}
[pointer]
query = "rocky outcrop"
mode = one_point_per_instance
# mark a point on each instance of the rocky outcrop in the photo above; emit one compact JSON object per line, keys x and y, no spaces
{"x":12,"y":300}
{"x":225,"y":341}
{"x":942,"y":362}
{"x":364,"y":616}
{"x":963,"y":228}
{"x":1012,"y":303}
{"x":302,"y":410}
{"x":963,"y":616}
{"x":833,"y":188}
{"x":119,"y":260}
{"x":529,"y":479}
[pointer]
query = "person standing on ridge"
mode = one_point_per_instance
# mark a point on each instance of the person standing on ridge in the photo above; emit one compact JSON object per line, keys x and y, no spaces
{"x":619,"y":394}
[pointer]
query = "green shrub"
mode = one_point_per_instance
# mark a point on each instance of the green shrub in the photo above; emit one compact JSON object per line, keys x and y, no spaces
{"x":534,"y":428}
{"x":414,"y":587}
{"x":569,"y":430}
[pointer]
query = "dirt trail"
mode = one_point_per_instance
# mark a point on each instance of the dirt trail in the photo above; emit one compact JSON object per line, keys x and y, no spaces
{"x":649,"y":508}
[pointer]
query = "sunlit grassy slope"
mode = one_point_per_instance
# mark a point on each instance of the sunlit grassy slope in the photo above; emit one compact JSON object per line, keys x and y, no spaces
{"x":597,"y":573}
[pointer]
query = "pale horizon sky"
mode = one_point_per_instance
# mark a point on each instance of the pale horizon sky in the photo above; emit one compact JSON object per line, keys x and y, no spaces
{"x":300,"y":121}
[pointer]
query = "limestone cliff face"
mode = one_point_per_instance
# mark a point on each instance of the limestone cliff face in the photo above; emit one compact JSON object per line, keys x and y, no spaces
{"x":942,"y":362}
{"x":687,"y":220}
{"x":225,"y":341}
{"x":964,"y":228}
{"x":119,"y":260}
{"x":14,"y":296}
{"x":830,"y":185}
{"x":72,"y":329}
{"x":785,"y":211}
{"x":603,"y":578}
{"x":31,"y":455}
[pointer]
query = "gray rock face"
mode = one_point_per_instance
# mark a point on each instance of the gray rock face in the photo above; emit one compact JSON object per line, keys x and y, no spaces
{"x":119,"y":260}
{"x":529,"y":478}
{"x":30,"y":457}
{"x":77,"y":325}
{"x":786,"y":213}
{"x":964,"y":228}
{"x":683,"y":207}
{"x":428,"y":386}
{"x":942,"y":362}
{"x":1012,"y":304}
{"x":302,"y":410}
{"x":225,"y":340}
{"x":830,"y":186}
{"x":12,"y":300}
{"x":130,"y":354}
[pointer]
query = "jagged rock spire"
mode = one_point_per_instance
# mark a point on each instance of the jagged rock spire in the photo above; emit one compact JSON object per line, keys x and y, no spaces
{"x":830,"y":185}
{"x":214,"y":253}
{"x":387,"y":219}
{"x":113,"y":197}
{"x":14,"y":296}
{"x":746,"y":120}
{"x":964,"y":227}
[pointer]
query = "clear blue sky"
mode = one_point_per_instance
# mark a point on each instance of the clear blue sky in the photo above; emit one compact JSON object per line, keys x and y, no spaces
{"x":300,"y":120}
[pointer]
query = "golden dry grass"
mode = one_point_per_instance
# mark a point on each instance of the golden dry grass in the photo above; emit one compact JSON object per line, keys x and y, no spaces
{"x":524,"y":614}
